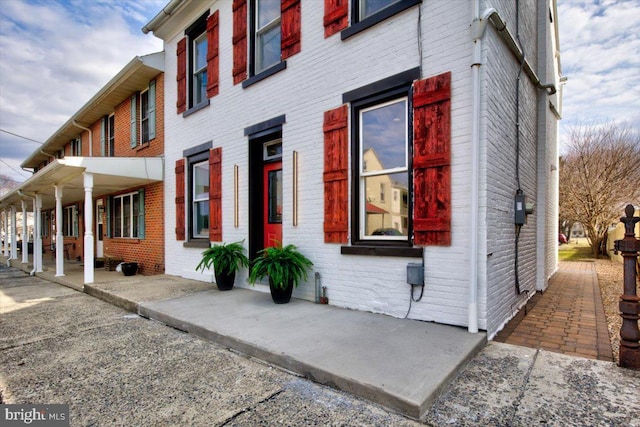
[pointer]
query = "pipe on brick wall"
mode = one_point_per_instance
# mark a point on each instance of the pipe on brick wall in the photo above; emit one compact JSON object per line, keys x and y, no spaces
{"x":76,"y":124}
{"x":478,"y":27}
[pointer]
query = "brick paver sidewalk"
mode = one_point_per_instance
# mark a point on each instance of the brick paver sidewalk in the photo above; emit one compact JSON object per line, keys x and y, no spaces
{"x":566,"y":318}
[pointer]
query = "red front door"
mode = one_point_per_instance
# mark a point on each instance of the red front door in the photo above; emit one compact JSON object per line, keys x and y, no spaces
{"x":272,"y":195}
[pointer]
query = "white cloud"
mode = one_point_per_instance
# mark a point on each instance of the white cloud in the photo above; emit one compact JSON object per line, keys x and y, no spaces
{"x":55,"y":55}
{"x":600,"y":54}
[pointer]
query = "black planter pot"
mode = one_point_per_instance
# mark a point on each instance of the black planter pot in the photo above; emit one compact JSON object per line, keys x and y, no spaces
{"x":225,"y":280}
{"x":281,"y":296}
{"x":129,"y":268}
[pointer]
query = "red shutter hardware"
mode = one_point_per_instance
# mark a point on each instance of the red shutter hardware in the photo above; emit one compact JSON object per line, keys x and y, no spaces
{"x":215,"y":194}
{"x":239,"y":41}
{"x":290,"y":28}
{"x":335,"y":16}
{"x":336,"y":189}
{"x":431,"y":160}
{"x":213,"y":69}
{"x":181,"y":76}
{"x":180,"y":225}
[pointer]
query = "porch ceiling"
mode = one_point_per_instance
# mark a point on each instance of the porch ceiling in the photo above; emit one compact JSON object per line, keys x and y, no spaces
{"x":110,"y":175}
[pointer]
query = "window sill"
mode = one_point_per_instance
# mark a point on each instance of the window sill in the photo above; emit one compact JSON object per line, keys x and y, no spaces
{"x":143,"y":145}
{"x":263,"y":75}
{"x":397,"y":251}
{"x":196,"y":244}
{"x":377,"y":18}
{"x":196,"y":108}
{"x":125,"y":240}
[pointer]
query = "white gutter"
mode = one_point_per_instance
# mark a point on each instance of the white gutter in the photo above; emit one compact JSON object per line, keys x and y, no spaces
{"x":76,"y":124}
{"x":162,"y":16}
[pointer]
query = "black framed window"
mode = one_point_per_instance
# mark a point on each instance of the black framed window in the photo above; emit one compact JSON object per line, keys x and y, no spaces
{"x":197,"y":62}
{"x":367,"y":13}
{"x":111,"y":135}
{"x":144,"y":117}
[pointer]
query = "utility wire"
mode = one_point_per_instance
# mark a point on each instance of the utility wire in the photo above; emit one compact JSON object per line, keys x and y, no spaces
{"x":11,"y":167}
{"x":20,"y":136}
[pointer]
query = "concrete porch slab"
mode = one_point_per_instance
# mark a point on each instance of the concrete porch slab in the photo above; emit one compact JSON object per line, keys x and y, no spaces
{"x":401,"y":364}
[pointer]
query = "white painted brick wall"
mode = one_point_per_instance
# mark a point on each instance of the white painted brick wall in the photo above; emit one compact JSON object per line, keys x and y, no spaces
{"x":314,"y":82}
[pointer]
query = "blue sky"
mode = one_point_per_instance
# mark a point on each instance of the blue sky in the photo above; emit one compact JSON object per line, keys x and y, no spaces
{"x":55,"y":55}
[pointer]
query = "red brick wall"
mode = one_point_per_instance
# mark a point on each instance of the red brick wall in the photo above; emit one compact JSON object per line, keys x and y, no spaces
{"x":147,"y":252}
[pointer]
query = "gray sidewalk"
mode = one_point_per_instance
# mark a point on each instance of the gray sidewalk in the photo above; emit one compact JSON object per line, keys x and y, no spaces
{"x":424,"y":370}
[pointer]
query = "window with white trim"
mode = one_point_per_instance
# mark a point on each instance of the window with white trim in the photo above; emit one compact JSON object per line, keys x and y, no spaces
{"x":367,"y":8}
{"x":383,"y":153}
{"x":199,"y":79}
{"x":266,"y":37}
{"x":200,"y":199}
{"x":125,"y":213}
{"x":70,"y":221}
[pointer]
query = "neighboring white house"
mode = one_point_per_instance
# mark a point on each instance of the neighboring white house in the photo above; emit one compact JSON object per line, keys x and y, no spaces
{"x":271,"y":107}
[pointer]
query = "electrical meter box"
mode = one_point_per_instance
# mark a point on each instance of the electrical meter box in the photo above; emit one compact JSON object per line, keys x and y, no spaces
{"x":415,"y":273}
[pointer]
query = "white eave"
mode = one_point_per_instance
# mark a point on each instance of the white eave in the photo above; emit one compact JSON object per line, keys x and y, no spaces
{"x":110,"y":175}
{"x":134,"y":77}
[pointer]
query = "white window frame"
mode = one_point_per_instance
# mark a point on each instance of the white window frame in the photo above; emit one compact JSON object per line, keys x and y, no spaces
{"x":204,"y":197}
{"x":362,"y":203}
{"x":199,"y":97}
{"x":144,"y":117}
{"x":133,"y":229}
{"x":259,"y":32}
{"x":69,"y":221}
{"x":362,"y":6}
{"x":111,"y":136}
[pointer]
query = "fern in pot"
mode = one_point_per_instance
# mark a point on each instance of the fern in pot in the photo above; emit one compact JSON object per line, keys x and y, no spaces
{"x":285,"y":267}
{"x":226,"y":259}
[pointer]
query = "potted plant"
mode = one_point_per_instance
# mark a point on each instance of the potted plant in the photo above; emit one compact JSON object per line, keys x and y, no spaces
{"x":284,"y":266}
{"x":226,"y":260}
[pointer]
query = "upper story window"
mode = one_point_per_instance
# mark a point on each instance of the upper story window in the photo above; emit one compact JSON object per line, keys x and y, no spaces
{"x":147,"y":116}
{"x":198,"y":71}
{"x":198,"y":78}
{"x":364,"y":14}
{"x":366,"y":8}
{"x":266,"y":38}
{"x":76,"y":147}
{"x":111,"y":135}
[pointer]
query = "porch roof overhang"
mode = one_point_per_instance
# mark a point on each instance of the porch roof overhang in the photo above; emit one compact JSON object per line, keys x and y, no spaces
{"x":110,"y":175}
{"x":134,"y":77}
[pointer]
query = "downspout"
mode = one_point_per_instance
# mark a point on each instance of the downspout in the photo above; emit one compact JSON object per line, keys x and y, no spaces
{"x":478,"y":27}
{"x":76,"y":124}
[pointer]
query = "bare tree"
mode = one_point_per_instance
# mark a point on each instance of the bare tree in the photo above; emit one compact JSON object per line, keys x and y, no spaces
{"x":599,"y":174}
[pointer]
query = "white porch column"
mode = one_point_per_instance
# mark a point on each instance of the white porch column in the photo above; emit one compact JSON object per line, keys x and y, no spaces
{"x":59,"y":236}
{"x":88,"y":228}
{"x":5,"y":233}
{"x":37,"y":233}
{"x":25,"y":234}
{"x":14,"y":236}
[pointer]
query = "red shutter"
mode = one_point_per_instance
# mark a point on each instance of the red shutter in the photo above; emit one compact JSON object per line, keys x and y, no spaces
{"x":180,"y":200}
{"x":215,"y":194}
{"x":431,"y":160}
{"x":336,"y":190}
{"x":181,"y":75}
{"x":213,"y":69}
{"x":335,"y":16}
{"x":239,"y":40}
{"x":290,"y":27}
